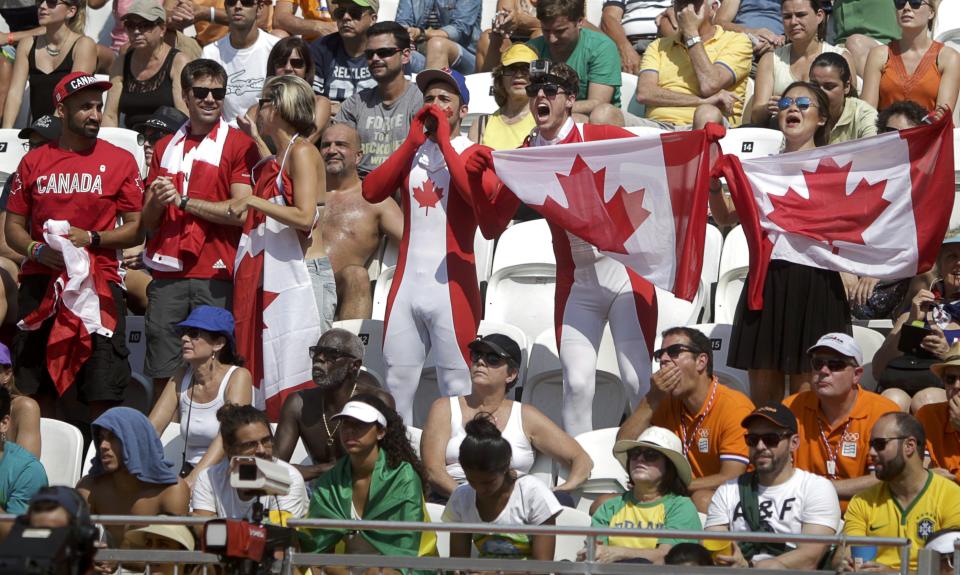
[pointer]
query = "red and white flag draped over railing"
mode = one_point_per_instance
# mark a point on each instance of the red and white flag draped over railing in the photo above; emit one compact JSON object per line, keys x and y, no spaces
{"x":875,"y":207}
{"x":640,"y":200}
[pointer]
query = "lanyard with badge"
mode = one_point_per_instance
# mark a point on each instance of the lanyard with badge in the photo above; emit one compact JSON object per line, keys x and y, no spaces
{"x":704,"y":445}
{"x":847,"y":448}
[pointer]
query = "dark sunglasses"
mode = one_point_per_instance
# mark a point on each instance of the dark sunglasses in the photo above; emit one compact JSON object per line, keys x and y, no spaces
{"x":490,"y":358}
{"x":355,"y":12}
{"x":832,"y":364}
{"x":880,"y":443}
{"x":382,"y":53}
{"x":914,"y":4}
{"x":327,"y":353}
{"x":549,"y":90}
{"x":51,"y":4}
{"x":674,"y":351}
{"x":139,"y":25}
{"x":244,"y":3}
{"x":951,"y":378}
{"x":297,"y":63}
{"x":153,"y":136}
{"x":802,"y":102}
{"x":769,"y":439}
{"x":201,"y":93}
{"x":192,"y":332}
{"x":644,"y":453}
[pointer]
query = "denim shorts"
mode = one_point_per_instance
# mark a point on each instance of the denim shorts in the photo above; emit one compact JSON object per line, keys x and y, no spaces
{"x":324,"y":289}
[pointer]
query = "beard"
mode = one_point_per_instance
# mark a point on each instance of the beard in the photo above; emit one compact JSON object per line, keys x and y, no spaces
{"x":341,"y":374}
{"x":891,"y":468}
{"x":88,"y":129}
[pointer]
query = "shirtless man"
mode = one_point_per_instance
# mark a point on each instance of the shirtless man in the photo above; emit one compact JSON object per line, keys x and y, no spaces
{"x":348,"y":231}
{"x":307,"y":414}
{"x":111,"y":489}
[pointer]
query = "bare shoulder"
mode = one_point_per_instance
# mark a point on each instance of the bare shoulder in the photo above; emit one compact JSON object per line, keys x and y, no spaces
{"x":24,"y":406}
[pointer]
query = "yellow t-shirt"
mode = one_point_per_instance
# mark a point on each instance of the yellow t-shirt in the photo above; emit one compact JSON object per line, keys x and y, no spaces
{"x":502,"y":136}
{"x":876,"y":513}
{"x":668,"y":57}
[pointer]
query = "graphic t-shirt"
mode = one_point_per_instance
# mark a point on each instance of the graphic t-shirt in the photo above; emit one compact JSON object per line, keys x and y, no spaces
{"x":381,"y":128}
{"x":246,"y":72}
{"x":89,"y":189}
{"x":339,"y":76}
{"x":220,"y":249}
{"x":804,"y":498}
{"x":531,"y":503}
{"x":627,"y":512}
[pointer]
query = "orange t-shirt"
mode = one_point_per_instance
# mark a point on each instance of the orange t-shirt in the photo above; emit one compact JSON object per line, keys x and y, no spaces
{"x":943,"y":441}
{"x":713,"y":434}
{"x":848,"y":441}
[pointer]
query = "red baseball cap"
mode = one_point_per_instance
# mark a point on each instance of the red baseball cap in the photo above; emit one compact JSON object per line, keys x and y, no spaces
{"x":76,"y":81}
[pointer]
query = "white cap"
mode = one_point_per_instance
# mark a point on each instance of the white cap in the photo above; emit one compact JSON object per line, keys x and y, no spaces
{"x":841,"y":343}
{"x":362,"y":412}
{"x":943,"y":543}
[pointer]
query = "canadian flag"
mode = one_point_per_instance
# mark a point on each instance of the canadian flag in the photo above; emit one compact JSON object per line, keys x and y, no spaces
{"x":640,"y":200}
{"x":876,"y":207}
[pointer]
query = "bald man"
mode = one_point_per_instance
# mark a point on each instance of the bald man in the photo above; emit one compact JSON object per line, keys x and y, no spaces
{"x":347,"y":232}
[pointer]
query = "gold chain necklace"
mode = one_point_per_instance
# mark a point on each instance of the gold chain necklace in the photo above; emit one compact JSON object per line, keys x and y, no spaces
{"x":323,"y":412}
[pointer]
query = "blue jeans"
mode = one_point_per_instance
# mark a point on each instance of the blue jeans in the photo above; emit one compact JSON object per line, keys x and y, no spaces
{"x":465,"y":63}
{"x":324,"y":290}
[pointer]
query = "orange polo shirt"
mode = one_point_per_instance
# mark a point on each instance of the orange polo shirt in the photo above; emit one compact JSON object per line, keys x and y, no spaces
{"x":943,"y":441}
{"x":849,"y":440}
{"x":713,"y":434}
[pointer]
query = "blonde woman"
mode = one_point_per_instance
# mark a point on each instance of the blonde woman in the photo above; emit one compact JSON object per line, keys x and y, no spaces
{"x":45,"y":60}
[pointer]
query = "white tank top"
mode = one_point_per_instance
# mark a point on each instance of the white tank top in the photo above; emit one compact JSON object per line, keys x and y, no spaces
{"x":203,"y":427}
{"x":523,"y":453}
{"x":782,"y":76}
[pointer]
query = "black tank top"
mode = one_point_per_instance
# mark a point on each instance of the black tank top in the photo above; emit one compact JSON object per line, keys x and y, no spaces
{"x":42,"y":84}
{"x":141,"y":98}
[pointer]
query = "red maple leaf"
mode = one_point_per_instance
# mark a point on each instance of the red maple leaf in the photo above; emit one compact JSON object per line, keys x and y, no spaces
{"x":829,"y":214}
{"x":428,"y":195}
{"x":605,"y":224}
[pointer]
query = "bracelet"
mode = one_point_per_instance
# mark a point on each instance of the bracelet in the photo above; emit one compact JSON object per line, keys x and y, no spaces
{"x":183,"y":203}
{"x":30,"y":250}
{"x":35,"y":248}
{"x":213,"y":15}
{"x":94,"y":239}
{"x":10,"y":41}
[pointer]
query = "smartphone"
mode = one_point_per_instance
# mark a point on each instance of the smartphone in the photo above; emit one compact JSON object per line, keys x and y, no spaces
{"x":911,"y":336}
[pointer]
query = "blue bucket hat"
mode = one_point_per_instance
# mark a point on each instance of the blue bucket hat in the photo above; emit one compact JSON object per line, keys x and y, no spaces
{"x":211,"y":319}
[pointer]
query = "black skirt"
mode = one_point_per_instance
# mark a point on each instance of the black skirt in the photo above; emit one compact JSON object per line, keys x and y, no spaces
{"x":800,"y":304}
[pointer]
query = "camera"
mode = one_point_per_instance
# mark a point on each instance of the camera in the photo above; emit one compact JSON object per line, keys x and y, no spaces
{"x":539,"y":68}
{"x":259,"y":476}
{"x":45,"y":551}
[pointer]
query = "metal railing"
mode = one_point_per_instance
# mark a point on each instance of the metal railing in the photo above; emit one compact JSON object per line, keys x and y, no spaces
{"x":928,"y":563}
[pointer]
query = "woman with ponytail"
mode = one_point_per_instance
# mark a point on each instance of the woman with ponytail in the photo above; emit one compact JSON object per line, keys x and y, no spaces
{"x":495,"y":494}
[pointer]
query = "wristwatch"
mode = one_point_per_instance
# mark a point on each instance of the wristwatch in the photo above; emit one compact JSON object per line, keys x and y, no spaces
{"x":692,"y":41}
{"x":183,"y":203}
{"x":94,"y":239}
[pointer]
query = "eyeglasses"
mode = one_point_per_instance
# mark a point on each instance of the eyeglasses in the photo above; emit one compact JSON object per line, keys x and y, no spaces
{"x":549,"y":90}
{"x":51,"y":4}
{"x":297,"y":63}
{"x":769,"y":439}
{"x":644,"y":453}
{"x":248,"y":446}
{"x":244,"y":3}
{"x":490,"y":358}
{"x":674,"y":351}
{"x":914,"y":4}
{"x":355,"y":12}
{"x":802,"y":102}
{"x":832,"y":364}
{"x":382,"y":53}
{"x":327,"y":354}
{"x":139,"y":25}
{"x":880,"y":443}
{"x":192,"y":332}
{"x":153,"y":136}
{"x":202,"y":93}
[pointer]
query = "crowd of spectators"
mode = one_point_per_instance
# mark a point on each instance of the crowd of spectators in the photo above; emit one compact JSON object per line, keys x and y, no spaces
{"x":293,"y":138}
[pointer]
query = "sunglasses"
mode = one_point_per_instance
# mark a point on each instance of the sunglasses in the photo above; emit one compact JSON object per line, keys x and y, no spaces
{"x":263,"y":102}
{"x":355,"y":12}
{"x":192,"y":332}
{"x":549,"y":90}
{"x":674,"y":351}
{"x":880,"y":443}
{"x":153,"y":136}
{"x":490,"y":358}
{"x":769,"y":439}
{"x":382,"y":53}
{"x":202,"y":93}
{"x":244,"y":3}
{"x":327,"y":354}
{"x":644,"y":454}
{"x":297,"y":63}
{"x":914,"y":4}
{"x":832,"y":364}
{"x":51,"y":4}
{"x":139,"y":25}
{"x":802,"y":102}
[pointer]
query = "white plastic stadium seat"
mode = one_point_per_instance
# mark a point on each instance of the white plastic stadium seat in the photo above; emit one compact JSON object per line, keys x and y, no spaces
{"x":869,"y":341}
{"x":414,"y":434}
{"x":481,"y":95}
{"x":387,"y":10}
{"x":712,"y":248}
{"x":11,"y":152}
{"x":593,"y":11}
{"x":487,"y":10}
{"x":752,"y":142}
{"x":543,"y":468}
{"x":136,"y":342}
{"x":544,"y":386}
{"x":947,"y":25}
{"x":567,"y":546}
{"x":62,"y":451}
{"x":719,"y":334}
{"x":435,"y":510}
{"x":607,"y":475}
{"x":628,"y":95}
{"x":673,"y":311}
{"x":734,"y":264}
{"x":523,"y":279}
{"x":128,"y":140}
{"x":370,"y":331}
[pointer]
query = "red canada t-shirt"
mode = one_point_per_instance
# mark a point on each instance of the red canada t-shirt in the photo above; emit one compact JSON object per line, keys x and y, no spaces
{"x":89,"y":189}
{"x":217,"y":258}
